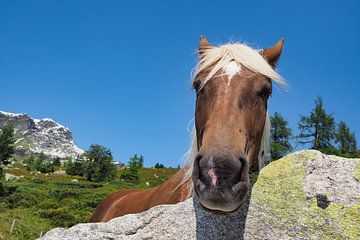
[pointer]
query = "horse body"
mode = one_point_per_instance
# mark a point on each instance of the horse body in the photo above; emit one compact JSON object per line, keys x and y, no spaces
{"x":129,"y":201}
{"x":231,"y":133}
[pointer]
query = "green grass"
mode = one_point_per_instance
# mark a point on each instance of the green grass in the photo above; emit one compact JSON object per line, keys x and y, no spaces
{"x":40,"y":203}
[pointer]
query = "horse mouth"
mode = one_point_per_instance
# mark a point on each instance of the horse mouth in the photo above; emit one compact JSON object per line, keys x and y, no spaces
{"x":223,"y":211}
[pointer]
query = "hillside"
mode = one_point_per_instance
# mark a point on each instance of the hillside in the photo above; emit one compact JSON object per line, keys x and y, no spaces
{"x":40,"y":202}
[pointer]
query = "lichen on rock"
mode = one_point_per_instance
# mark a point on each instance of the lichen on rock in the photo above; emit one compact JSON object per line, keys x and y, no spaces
{"x":287,"y":194}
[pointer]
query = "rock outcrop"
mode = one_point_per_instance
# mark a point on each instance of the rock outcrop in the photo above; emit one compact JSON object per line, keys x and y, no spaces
{"x":40,"y":136}
{"x":305,"y":195}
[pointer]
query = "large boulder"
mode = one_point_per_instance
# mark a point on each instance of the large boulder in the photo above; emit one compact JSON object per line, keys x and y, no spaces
{"x":305,"y":195}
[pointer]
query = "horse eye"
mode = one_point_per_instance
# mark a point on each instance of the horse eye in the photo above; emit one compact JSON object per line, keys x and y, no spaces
{"x":196,"y":84}
{"x":265,"y":92}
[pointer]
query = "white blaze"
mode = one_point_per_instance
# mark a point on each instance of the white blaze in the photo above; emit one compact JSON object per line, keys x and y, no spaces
{"x":231,"y":69}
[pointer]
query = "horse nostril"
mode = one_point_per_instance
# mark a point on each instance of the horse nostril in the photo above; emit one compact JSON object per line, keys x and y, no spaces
{"x":201,"y":186}
{"x":242,"y":158}
{"x":196,"y":168}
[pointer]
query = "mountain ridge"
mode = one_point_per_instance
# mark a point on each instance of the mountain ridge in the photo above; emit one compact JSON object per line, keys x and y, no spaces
{"x":34,"y":136}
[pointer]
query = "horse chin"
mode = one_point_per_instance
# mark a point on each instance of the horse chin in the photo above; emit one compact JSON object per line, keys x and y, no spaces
{"x":222,"y":208}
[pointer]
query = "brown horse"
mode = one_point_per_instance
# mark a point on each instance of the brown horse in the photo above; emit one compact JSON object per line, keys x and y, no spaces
{"x":231,"y":133}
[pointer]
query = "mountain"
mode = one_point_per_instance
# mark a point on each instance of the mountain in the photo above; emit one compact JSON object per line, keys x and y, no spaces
{"x":40,"y":135}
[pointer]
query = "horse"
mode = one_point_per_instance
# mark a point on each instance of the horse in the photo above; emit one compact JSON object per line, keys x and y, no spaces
{"x":230,"y":138}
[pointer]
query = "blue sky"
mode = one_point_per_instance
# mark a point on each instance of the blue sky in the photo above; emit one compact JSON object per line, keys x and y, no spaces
{"x":117,"y":73}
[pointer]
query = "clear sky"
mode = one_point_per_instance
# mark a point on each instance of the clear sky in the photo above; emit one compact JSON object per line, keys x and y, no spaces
{"x":117,"y":73}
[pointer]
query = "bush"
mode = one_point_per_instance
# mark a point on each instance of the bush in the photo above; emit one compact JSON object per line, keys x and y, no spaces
{"x":130,"y":174}
{"x":56,"y":162}
{"x":2,"y":191}
{"x":76,"y":168}
{"x":60,"y":217}
{"x":60,"y":194}
{"x":39,"y":181}
{"x":39,"y":163}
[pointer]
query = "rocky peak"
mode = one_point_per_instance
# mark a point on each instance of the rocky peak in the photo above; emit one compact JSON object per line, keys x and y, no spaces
{"x":40,"y":135}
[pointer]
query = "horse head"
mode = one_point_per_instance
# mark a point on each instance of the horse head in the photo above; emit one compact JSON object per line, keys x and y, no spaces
{"x":233,"y":84}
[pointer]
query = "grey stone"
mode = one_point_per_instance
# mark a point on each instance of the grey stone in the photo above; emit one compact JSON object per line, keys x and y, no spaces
{"x":60,"y":172}
{"x":11,"y":177}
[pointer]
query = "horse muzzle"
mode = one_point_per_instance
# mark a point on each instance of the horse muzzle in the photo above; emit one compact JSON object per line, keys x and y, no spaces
{"x":220,"y":182}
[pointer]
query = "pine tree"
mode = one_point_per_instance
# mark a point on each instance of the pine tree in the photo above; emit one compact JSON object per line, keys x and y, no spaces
{"x":6,"y":148}
{"x":317,"y":129}
{"x":6,"y":143}
{"x":280,"y":137}
{"x":136,"y":162}
{"x":132,"y":172}
{"x":159,"y":165}
{"x":345,"y":139}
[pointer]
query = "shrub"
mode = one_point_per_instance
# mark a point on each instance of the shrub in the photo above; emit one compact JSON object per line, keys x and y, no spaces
{"x":130,"y":174}
{"x":76,"y":168}
{"x":60,"y":217}
{"x":39,"y":163}
{"x":60,"y":194}
{"x":56,"y":162}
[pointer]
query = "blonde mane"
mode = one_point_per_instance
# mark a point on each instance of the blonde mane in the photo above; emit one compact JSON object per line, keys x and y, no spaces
{"x":218,"y":58}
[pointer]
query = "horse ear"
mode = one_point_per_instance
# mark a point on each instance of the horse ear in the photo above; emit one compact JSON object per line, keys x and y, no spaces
{"x":272,"y":54}
{"x":204,"y":45}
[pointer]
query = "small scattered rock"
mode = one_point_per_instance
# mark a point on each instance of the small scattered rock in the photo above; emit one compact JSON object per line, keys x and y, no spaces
{"x":60,"y":172}
{"x":11,"y":177}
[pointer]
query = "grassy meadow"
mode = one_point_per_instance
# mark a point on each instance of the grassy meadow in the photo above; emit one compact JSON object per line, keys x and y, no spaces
{"x":38,"y":203}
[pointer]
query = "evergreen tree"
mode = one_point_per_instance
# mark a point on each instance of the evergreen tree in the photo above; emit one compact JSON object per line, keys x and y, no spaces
{"x":6,"y":143}
{"x":345,"y":139}
{"x":159,"y":165}
{"x":141,"y":162}
{"x":280,"y":137}
{"x":132,"y":172}
{"x":317,"y":129}
{"x":6,"y":148}
{"x":136,"y":162}
{"x":99,"y":164}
